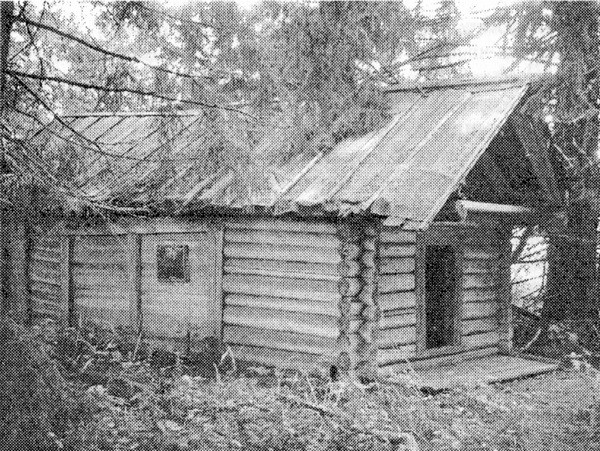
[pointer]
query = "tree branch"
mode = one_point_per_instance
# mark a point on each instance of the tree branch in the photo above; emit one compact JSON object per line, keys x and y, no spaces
{"x":139,"y":92}
{"x":96,"y":48}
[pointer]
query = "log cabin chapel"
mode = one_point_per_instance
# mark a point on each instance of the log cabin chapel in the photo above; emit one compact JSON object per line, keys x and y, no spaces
{"x":391,"y":248}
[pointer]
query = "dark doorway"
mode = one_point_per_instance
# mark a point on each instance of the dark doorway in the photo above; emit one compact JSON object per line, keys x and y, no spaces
{"x":440,"y":295}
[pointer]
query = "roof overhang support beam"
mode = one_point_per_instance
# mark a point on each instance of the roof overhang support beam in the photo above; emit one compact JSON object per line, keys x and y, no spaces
{"x":465,"y":208}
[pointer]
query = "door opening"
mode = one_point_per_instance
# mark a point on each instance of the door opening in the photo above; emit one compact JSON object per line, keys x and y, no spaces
{"x":440,"y":297}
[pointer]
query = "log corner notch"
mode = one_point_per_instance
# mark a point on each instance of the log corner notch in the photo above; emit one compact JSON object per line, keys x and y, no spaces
{"x":358,"y":312}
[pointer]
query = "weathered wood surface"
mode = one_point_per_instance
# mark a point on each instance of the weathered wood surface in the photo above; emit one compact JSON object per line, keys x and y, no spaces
{"x":485,"y":370}
{"x":99,"y":279}
{"x":282,"y":253}
{"x":283,"y":304}
{"x":286,"y":341}
{"x":306,"y":323}
{"x":317,"y":290}
{"x":174,"y":309}
{"x":272,"y":356}
{"x":44,"y":265}
{"x":451,"y":358}
{"x":282,"y":289}
{"x":395,"y":355}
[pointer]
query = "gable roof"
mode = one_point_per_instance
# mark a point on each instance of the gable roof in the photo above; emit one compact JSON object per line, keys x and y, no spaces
{"x":404,"y":171}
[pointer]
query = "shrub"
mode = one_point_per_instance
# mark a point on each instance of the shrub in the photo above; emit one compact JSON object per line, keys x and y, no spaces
{"x":37,"y":405}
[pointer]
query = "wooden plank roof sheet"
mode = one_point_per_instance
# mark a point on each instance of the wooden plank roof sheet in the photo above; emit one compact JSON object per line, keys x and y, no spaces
{"x":404,"y":171}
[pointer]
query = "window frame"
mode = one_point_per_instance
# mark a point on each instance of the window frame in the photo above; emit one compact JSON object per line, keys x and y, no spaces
{"x":187,"y":265}
{"x":438,"y":236}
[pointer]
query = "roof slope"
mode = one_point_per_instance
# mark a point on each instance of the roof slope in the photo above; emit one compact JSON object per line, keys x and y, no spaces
{"x":405,"y":171}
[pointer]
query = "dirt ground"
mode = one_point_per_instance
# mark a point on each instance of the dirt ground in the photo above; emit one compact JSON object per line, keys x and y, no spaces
{"x":558,"y":411}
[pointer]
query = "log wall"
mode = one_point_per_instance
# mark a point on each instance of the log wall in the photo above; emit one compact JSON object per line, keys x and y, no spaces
{"x":281,"y":298}
{"x":481,"y":278}
{"x":98,"y":279}
{"x":44,"y":276}
{"x":481,"y":287}
{"x":396,"y":296}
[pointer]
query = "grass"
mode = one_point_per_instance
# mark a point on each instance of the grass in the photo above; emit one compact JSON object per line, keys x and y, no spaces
{"x":136,"y":406}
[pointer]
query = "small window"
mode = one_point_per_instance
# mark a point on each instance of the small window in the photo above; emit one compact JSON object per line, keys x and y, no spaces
{"x":172,"y":263}
{"x":440,"y":296}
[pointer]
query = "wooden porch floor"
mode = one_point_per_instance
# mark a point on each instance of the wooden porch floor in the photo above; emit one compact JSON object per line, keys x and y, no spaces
{"x":495,"y":368}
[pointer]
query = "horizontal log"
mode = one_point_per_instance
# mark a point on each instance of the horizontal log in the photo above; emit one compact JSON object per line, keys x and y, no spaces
{"x":390,"y":338}
{"x":396,"y":282}
{"x":229,"y":269}
{"x":42,"y":287}
{"x":481,"y":340}
{"x":479,"y":280}
{"x":43,"y":280}
{"x":110,"y":316}
{"x":480,"y":266}
{"x":397,"y":235}
{"x":398,"y":354}
{"x":479,"y":295}
{"x":283,"y":225}
{"x":289,"y":305}
{"x":114,"y":274}
{"x":284,"y":253}
{"x":270,"y":319}
{"x":264,"y":264}
{"x":477,"y":253}
{"x":271,"y":357}
{"x":285,"y":341}
{"x":393,"y":250}
{"x":282,"y":238}
{"x":316,"y":290}
{"x":398,"y":300}
{"x":99,"y":297}
{"x":479,"y":309}
{"x":44,"y":272}
{"x":43,"y":259}
{"x":396,"y":265}
{"x":409,"y":318}
{"x":480,"y":325}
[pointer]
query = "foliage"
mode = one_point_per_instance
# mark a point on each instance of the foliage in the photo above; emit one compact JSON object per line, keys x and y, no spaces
{"x":37,"y":404}
{"x":273,"y":81}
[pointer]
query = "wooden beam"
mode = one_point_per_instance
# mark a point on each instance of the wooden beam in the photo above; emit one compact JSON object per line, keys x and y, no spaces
{"x":465,"y":207}
{"x":505,"y":319}
{"x":217,"y":304}
{"x":134,"y":284}
{"x":66,"y":295}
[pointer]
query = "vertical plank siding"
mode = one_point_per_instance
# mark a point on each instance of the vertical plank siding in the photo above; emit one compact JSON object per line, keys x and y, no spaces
{"x":396,"y":296}
{"x":176,"y":312}
{"x":280,"y":291}
{"x":99,"y":277}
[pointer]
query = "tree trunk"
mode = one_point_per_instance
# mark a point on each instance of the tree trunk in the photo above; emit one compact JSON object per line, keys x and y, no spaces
{"x":571,"y":292}
{"x":572,"y":253}
{"x":6,"y":19}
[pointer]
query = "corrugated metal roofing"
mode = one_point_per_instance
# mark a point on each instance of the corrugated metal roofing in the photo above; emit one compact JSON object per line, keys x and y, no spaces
{"x":405,"y":171}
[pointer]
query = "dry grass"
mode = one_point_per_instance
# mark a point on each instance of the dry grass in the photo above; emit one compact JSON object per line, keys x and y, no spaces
{"x":139,"y":407}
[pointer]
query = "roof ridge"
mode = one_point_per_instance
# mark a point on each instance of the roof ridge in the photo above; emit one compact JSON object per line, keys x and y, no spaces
{"x":459,"y":82}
